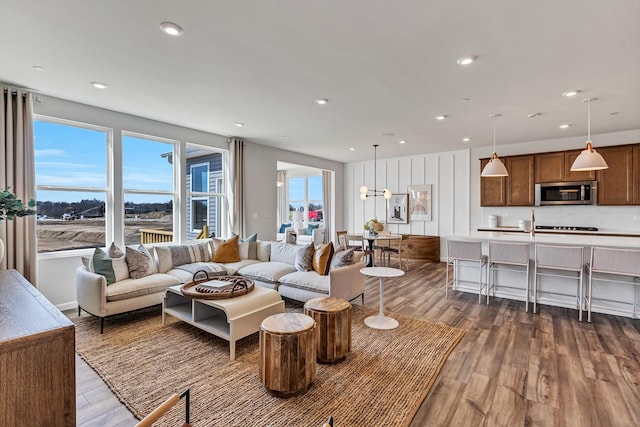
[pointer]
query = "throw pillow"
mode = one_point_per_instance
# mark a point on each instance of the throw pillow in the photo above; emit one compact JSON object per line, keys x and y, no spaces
{"x":251,"y":238}
{"x":283,"y":226}
{"x":304,"y":258}
{"x":140,"y":262}
{"x":322,"y":258}
{"x":113,"y":269}
{"x":248,"y":250}
{"x":283,"y":252}
{"x":312,"y":227}
{"x":342,"y":258}
{"x":173,"y":256}
{"x":227,"y":251}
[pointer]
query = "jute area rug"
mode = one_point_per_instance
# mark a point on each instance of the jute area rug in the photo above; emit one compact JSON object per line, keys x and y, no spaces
{"x":381,"y":383}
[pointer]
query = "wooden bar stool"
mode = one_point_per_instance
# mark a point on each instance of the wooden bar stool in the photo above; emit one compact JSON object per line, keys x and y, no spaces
{"x":287,"y":353}
{"x":333,"y":327}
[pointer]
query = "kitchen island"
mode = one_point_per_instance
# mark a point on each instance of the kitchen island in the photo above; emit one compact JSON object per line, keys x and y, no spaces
{"x":623,"y":294}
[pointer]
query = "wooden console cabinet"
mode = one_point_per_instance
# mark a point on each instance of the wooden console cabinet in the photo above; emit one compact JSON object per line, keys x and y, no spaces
{"x":424,"y":248}
{"x":37,"y":357}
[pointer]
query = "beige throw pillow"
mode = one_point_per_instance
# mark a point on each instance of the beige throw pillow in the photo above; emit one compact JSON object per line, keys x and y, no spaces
{"x":140,"y":262}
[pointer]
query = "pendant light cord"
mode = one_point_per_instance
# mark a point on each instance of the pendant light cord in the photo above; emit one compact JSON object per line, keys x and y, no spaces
{"x":589,"y":119}
{"x":494,"y":133}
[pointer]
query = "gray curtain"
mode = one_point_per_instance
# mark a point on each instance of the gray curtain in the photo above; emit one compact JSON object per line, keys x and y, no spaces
{"x":237,"y":214}
{"x":327,"y":206}
{"x":17,"y":170}
{"x":283,"y":207}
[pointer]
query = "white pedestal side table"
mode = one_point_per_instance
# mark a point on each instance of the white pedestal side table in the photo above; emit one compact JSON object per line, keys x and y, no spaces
{"x":381,"y":321}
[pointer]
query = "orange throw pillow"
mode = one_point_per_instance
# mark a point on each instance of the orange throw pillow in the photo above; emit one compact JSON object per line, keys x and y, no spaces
{"x":227,"y":251}
{"x":322,"y":258}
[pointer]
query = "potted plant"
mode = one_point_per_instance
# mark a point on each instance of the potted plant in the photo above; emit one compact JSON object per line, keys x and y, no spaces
{"x":12,"y":207}
{"x":373,"y":226}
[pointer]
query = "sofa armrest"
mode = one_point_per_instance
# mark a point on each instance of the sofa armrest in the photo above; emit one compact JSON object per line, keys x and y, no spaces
{"x":91,"y":292}
{"x":347,"y":282}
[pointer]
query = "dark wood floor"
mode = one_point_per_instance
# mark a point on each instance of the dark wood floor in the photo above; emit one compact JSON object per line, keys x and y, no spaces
{"x":511,"y":369}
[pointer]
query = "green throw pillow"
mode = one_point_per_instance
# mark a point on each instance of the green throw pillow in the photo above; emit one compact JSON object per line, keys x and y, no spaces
{"x":113,"y":269}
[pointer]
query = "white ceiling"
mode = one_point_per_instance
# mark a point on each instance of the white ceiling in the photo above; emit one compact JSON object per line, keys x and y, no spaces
{"x":385,"y":66}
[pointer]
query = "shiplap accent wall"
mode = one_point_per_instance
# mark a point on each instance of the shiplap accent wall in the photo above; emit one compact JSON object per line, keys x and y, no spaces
{"x":447,"y":172}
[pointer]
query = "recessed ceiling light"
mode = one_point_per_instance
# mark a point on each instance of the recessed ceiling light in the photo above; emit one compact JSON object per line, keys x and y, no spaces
{"x":38,"y":68}
{"x":441,"y":117}
{"x":564,"y":125}
{"x":388,"y":134}
{"x":352,"y":149}
{"x":99,"y":85}
{"x":466,"y":139}
{"x":402,"y":141}
{"x":239,"y":124}
{"x":614,"y":113}
{"x":171,"y":28}
{"x":532,"y":115}
{"x":321,"y":101}
{"x":571,"y":93}
{"x":465,"y":100}
{"x":466,"y":60}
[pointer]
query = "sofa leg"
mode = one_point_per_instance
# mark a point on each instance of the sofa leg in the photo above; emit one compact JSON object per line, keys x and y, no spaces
{"x":102,"y":325}
{"x":362,"y":296}
{"x":79,"y":311}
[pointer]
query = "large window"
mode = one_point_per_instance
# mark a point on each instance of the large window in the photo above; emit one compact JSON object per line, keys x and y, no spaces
{"x":147,"y":180}
{"x":95,"y":187}
{"x":305,"y":195}
{"x":71,"y":184}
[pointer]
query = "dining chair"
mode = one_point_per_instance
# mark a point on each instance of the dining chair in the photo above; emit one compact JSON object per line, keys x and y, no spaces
{"x":379,"y":246}
{"x":401,"y":250}
{"x":341,"y":239}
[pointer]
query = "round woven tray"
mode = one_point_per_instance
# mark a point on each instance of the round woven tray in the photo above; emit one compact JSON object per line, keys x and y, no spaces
{"x":198,"y":289}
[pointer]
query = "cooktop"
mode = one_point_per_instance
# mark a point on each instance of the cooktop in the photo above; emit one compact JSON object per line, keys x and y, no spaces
{"x":565,"y":227}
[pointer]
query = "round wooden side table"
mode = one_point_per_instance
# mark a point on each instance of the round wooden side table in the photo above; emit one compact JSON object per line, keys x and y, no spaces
{"x":287,"y":353}
{"x":333,"y":327}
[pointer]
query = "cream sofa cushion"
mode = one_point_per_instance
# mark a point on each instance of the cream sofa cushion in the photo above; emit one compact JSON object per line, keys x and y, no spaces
{"x":283,"y":252}
{"x":263,"y":250}
{"x":307,"y":280}
{"x":131,"y":288}
{"x":269,"y":271}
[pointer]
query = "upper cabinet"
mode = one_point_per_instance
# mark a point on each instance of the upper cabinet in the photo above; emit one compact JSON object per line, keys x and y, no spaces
{"x":615,"y":185}
{"x":556,"y":167}
{"x":520,"y":183}
{"x":492,"y":189}
{"x":618,"y":185}
{"x":513,"y":190}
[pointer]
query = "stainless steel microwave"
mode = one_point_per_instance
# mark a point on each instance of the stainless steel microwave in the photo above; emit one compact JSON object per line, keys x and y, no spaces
{"x":567,"y":193}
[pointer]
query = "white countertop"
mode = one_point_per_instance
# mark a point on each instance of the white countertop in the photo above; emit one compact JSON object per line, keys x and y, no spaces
{"x":562,"y":238}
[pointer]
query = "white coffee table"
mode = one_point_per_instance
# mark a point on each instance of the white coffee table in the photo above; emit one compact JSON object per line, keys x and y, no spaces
{"x":381,"y":321}
{"x":230,"y":319}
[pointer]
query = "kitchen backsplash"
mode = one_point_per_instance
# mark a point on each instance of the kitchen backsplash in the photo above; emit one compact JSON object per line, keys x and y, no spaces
{"x":605,"y":218}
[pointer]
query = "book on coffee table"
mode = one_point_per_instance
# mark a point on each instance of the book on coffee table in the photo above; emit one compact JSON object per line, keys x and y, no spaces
{"x":215,"y":284}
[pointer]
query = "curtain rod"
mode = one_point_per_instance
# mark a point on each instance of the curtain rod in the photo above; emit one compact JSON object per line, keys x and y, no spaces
{"x":14,"y":91}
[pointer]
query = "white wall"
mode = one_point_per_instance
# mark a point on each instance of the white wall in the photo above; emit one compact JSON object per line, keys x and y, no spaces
{"x":606,"y":218}
{"x":447,"y":172}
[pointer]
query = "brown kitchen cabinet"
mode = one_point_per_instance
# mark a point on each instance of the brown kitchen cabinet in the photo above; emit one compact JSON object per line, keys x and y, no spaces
{"x":492,"y":189}
{"x":615,"y":185}
{"x":520,"y":183}
{"x":636,"y":175}
{"x":556,"y":167}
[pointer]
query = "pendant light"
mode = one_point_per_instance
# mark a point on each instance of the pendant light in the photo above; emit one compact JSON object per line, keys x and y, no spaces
{"x":495,"y":167}
{"x":364,"y":191}
{"x":589,"y":159}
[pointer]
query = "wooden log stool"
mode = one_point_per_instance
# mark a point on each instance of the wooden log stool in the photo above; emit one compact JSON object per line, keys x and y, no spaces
{"x":287,"y":353}
{"x":333,"y":327}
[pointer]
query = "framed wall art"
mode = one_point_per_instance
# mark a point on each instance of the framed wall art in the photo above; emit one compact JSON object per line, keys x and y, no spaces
{"x":397,"y":209}
{"x":420,"y":202}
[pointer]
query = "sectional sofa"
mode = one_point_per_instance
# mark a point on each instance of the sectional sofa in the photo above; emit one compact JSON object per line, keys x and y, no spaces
{"x":269,"y":264}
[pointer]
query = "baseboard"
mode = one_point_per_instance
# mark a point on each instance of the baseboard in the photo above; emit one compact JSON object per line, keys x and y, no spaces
{"x":67,"y":306}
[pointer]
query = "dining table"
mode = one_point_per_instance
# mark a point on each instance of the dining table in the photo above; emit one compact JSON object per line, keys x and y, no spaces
{"x":372,"y":238}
